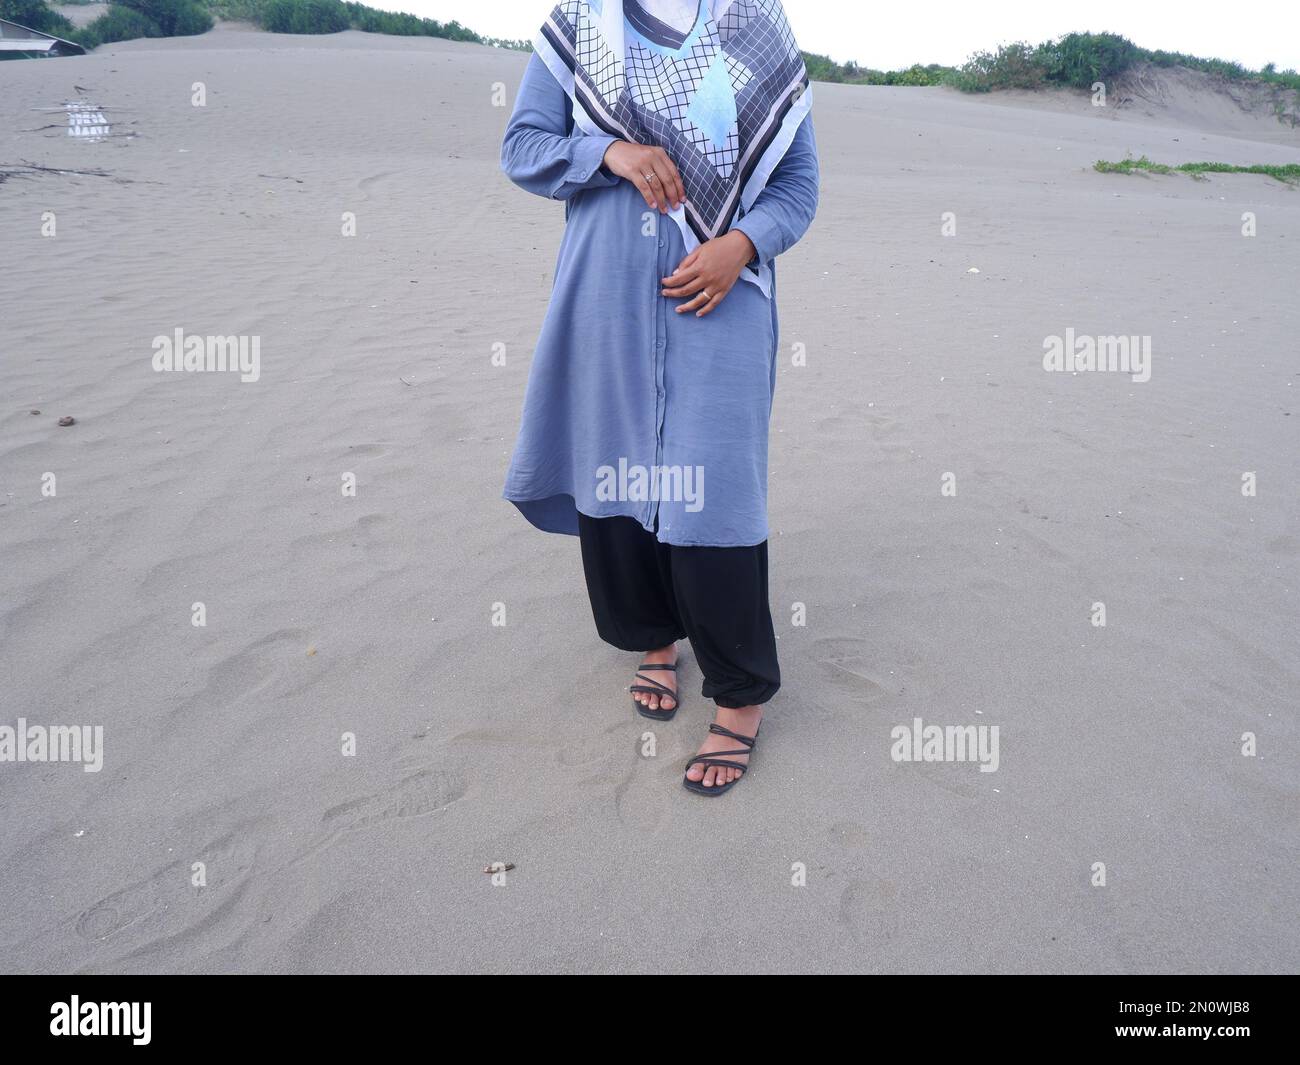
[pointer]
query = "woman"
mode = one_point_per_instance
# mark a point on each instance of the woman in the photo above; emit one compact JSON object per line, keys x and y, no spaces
{"x":678,"y":135}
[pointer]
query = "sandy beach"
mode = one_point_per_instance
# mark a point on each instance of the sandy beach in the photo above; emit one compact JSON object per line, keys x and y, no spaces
{"x":228,"y":832}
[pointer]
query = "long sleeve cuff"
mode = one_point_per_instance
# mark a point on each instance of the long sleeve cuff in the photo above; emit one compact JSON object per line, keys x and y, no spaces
{"x":585,"y":170}
{"x":762,"y":232}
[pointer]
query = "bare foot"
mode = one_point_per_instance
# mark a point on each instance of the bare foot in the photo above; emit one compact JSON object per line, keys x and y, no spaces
{"x":654,"y":700}
{"x":743,"y":722}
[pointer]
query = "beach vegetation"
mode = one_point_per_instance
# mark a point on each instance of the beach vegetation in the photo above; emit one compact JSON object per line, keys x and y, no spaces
{"x":118,"y":23}
{"x":35,"y":15}
{"x":1287,"y":173}
{"x":175,"y":18}
{"x":129,"y":20}
{"x":333,"y":16}
{"x":1080,"y":60}
{"x":305,"y":16}
{"x":1012,"y":66}
{"x":823,"y":68}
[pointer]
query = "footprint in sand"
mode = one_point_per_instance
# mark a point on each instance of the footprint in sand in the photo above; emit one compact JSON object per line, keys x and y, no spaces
{"x":426,"y":791}
{"x":847,"y":664}
{"x":592,"y":747}
{"x":367,"y":183}
{"x":162,"y":904}
{"x":245,"y":673}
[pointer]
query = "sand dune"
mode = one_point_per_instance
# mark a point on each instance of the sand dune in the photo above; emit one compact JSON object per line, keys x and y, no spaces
{"x":329,"y":614}
{"x":1185,"y":101}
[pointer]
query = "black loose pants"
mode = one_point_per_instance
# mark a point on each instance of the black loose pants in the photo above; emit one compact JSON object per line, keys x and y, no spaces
{"x":646,"y":594}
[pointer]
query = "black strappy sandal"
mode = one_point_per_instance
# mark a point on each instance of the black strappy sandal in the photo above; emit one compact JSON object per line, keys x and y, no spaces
{"x":653,"y":687}
{"x":715,"y":758}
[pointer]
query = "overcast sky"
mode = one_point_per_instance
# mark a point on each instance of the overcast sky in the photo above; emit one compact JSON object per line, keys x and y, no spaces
{"x":890,"y":36}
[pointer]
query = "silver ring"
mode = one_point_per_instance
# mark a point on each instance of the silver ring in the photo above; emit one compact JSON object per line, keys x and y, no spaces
{"x":652,"y":177}
{"x":706,"y":295}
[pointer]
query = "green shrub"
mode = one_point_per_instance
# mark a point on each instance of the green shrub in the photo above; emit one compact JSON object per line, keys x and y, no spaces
{"x":368,"y":20}
{"x":191,"y":20}
{"x":823,"y":68}
{"x":1012,"y":66}
{"x":1081,"y":59}
{"x":175,"y":18}
{"x":305,"y":16}
{"x":237,"y":10}
{"x":36,"y":16}
{"x":117,"y":24}
{"x":1078,"y":60}
{"x":934,"y":74}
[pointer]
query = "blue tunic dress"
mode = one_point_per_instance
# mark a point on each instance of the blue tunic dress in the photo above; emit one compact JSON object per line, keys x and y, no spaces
{"x":632,"y":409}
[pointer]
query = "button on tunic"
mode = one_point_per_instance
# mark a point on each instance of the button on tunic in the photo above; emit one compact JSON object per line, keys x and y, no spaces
{"x":620,"y":382}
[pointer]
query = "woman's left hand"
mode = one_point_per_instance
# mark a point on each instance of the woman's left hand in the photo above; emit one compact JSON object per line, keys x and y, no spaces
{"x":709,"y":272}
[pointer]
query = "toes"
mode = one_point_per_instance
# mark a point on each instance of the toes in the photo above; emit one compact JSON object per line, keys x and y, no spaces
{"x":713,"y":776}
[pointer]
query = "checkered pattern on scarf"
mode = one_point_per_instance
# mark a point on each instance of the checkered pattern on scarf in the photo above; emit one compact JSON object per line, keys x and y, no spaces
{"x":648,"y":93}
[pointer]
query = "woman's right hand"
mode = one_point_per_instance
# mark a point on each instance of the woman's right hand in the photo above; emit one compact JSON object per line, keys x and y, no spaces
{"x":650,"y":170}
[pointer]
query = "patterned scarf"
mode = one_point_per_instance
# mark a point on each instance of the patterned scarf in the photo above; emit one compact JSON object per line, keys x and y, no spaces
{"x":723,"y":98}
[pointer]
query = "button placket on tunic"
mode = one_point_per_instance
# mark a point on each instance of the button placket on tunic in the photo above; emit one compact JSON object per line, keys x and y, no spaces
{"x":660,"y":355}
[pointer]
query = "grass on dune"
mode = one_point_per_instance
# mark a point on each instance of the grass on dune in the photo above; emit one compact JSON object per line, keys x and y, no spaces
{"x":1287,"y":173}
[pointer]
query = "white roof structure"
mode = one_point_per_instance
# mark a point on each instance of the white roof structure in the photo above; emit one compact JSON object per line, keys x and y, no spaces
{"x":24,"y":41}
